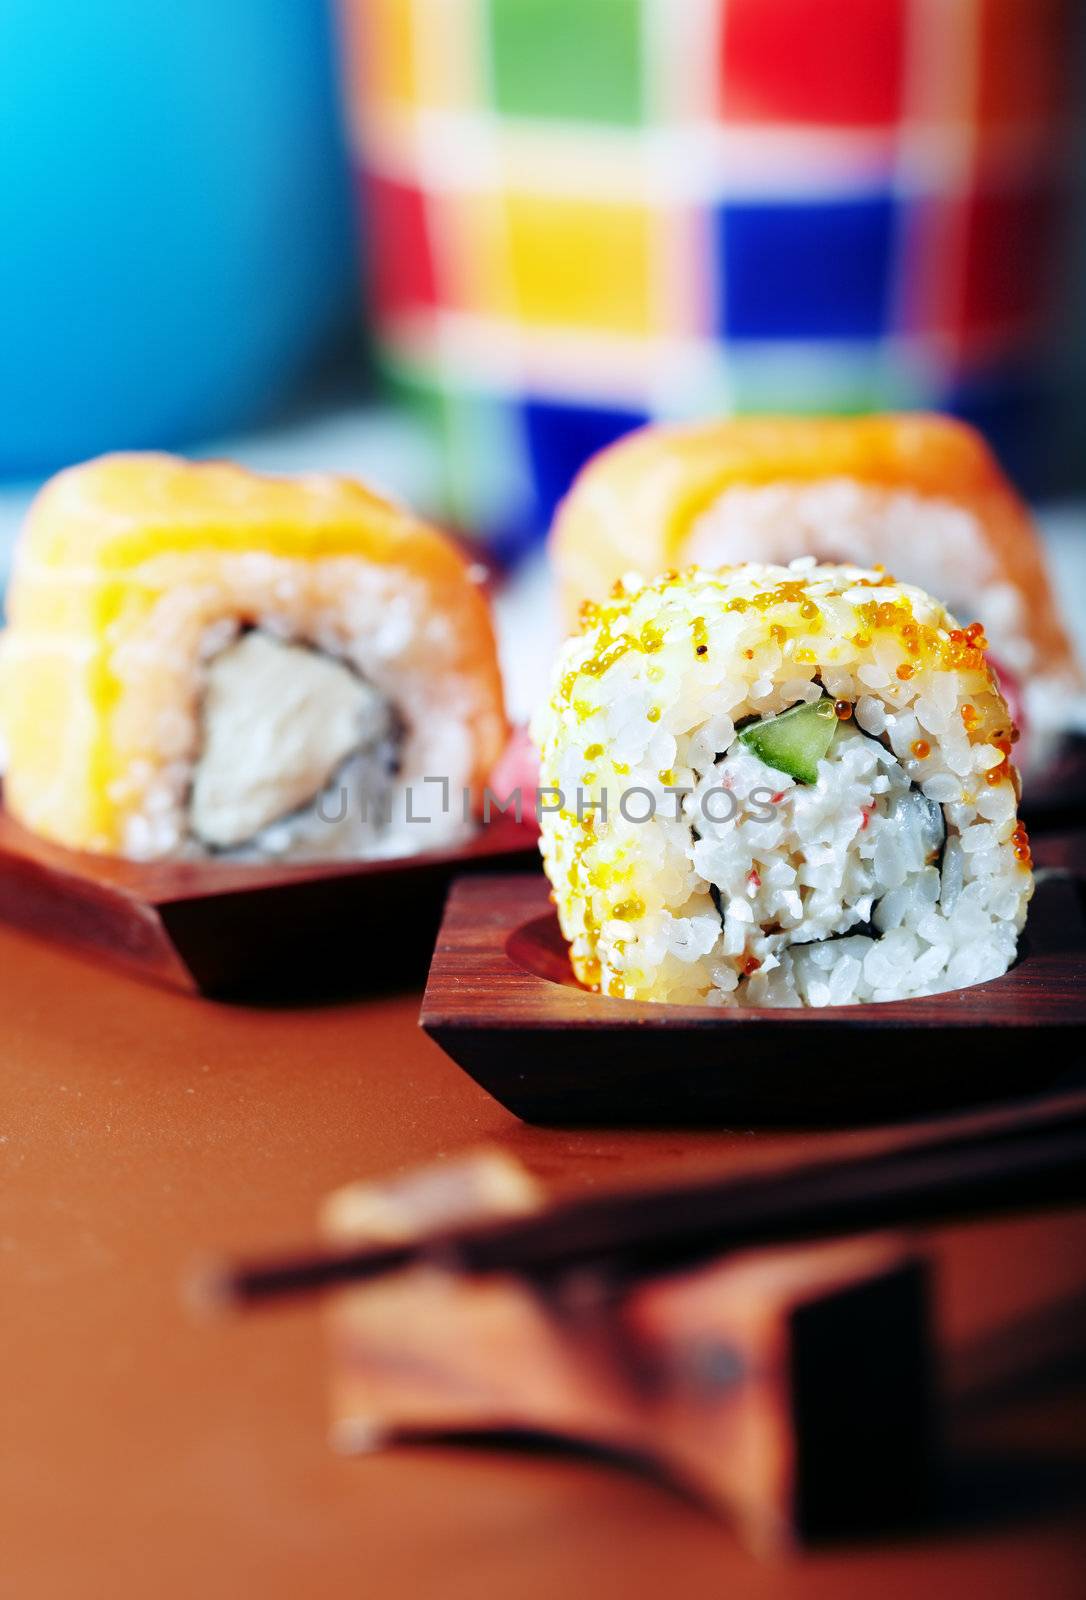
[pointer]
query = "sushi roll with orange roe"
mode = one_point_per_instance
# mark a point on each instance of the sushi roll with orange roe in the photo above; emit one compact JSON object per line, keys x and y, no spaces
{"x":921,"y":495}
{"x":781,"y":786}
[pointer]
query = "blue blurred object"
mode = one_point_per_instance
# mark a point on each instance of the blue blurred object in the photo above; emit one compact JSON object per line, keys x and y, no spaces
{"x":820,"y":270}
{"x":176,"y":248}
{"x":561,"y":437}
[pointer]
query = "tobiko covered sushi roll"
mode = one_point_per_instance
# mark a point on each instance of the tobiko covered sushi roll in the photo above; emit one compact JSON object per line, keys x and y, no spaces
{"x":201,"y":661}
{"x":922,"y":494}
{"x":774,"y":786}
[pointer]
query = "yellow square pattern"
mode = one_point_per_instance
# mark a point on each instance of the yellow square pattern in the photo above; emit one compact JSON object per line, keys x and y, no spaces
{"x":578,"y":263}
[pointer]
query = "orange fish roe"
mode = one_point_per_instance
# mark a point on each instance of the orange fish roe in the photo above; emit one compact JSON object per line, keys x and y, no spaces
{"x":969,"y":717}
{"x":777,"y":632}
{"x":590,"y":972}
{"x":594,"y":751}
{"x":1020,"y":845}
{"x":653,"y":714}
{"x":905,"y":672}
{"x":749,"y":965}
{"x":616,"y":989}
{"x":959,"y":648}
{"x":921,"y":749}
{"x":843,"y":709}
{"x":997,"y":773}
{"x":808,"y":610}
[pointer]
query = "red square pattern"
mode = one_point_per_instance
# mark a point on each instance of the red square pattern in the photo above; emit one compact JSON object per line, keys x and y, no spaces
{"x":1010,"y":240}
{"x":807,"y":61}
{"x":397,"y":246}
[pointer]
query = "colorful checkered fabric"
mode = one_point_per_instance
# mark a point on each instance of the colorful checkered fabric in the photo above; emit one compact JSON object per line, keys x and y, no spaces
{"x":582,"y":214}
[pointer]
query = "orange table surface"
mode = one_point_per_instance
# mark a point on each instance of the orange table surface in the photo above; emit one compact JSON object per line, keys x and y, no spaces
{"x":145,"y":1453}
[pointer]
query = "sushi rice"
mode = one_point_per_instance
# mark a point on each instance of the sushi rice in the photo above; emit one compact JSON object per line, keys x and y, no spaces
{"x":687,"y":868}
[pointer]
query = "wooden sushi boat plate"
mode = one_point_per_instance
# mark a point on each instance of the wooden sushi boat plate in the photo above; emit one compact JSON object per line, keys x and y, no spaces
{"x":502,"y":1001}
{"x":217,"y":928}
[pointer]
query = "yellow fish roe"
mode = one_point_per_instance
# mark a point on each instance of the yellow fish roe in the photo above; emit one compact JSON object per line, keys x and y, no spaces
{"x":628,"y":910}
{"x":616,"y":632}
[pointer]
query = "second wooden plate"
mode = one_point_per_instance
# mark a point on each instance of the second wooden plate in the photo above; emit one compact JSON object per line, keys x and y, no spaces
{"x":502,"y":1001}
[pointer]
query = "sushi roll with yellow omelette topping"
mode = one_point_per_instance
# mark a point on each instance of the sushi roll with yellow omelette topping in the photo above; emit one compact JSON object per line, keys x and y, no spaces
{"x":202,"y":661}
{"x":923,"y":495}
{"x":780,"y":786}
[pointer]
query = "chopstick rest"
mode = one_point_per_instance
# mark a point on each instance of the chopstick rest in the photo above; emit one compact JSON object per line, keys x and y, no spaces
{"x":789,"y":1389}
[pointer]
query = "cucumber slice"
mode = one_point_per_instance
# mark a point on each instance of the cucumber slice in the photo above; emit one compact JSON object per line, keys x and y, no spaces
{"x":795,"y":741}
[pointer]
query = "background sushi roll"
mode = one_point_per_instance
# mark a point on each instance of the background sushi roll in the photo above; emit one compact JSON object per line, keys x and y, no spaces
{"x":921,"y":494}
{"x":778,"y":786}
{"x":200,"y":661}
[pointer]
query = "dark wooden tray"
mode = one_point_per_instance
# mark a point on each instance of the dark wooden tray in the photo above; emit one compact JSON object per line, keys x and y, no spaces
{"x":253,"y":931}
{"x":502,"y":1001}
{"x":1054,"y":799}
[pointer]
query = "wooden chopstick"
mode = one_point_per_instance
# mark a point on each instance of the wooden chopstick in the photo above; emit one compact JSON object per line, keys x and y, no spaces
{"x":1008,"y":1158}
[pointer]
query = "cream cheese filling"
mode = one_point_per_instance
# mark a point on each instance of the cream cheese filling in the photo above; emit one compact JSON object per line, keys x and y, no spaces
{"x":279,"y":720}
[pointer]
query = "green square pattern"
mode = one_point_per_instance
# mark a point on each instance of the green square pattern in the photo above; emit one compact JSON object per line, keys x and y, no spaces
{"x":575,"y":59}
{"x":485,"y":476}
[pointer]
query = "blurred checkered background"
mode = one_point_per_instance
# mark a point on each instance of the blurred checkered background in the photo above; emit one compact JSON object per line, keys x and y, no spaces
{"x":583,"y":214}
